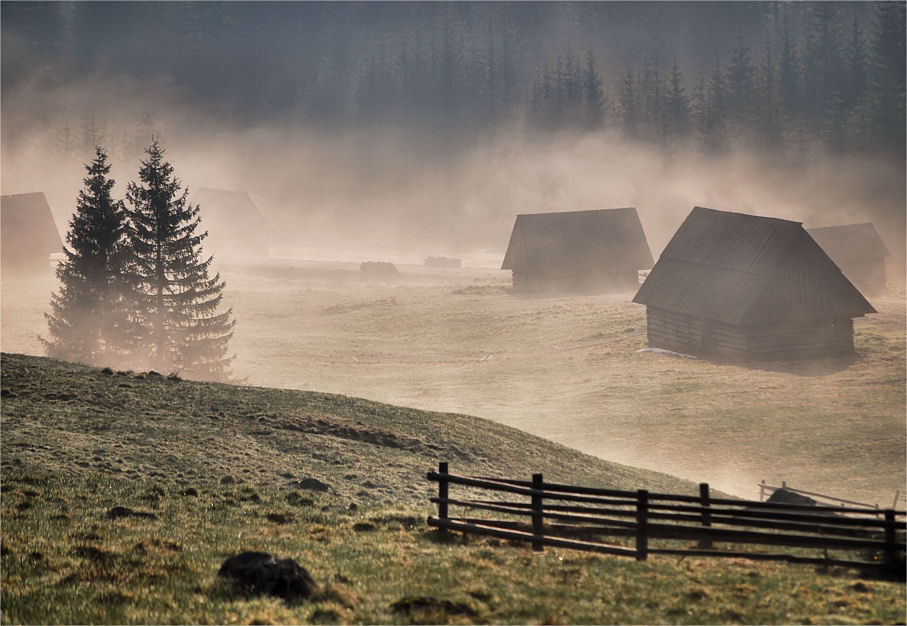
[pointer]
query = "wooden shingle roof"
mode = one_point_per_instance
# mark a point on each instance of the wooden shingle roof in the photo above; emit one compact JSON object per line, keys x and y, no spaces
{"x":27,"y":227}
{"x":850,"y":242}
{"x":577,"y":241}
{"x":745,"y":269}
{"x":233,"y":207}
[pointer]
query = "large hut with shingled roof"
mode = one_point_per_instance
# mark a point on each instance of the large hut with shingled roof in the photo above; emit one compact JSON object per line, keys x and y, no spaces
{"x":597,"y":251}
{"x":743,"y":287}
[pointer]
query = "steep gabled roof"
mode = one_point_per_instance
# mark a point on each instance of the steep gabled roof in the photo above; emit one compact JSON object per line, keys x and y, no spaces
{"x":577,"y":241}
{"x":850,"y":242}
{"x":28,"y":228}
{"x":235,"y":207}
{"x":236,"y":226}
{"x":741,"y":269}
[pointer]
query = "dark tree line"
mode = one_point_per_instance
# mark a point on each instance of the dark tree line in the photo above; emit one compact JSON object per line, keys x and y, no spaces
{"x":135,"y":289}
{"x":840,"y":90}
{"x":839,"y":84}
{"x":809,"y":74}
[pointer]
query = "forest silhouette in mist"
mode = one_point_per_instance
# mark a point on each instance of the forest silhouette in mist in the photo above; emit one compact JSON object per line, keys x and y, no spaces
{"x":440,"y":121}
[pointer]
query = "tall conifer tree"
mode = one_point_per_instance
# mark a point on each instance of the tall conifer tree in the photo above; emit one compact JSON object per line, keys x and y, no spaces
{"x":180,"y":301}
{"x":90,"y":320}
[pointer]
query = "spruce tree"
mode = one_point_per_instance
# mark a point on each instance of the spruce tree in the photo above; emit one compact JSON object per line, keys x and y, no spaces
{"x":676,"y":108}
{"x":593,"y":95}
{"x":179,"y":300}
{"x":90,"y":321}
{"x":768,"y":106}
{"x":740,"y":85}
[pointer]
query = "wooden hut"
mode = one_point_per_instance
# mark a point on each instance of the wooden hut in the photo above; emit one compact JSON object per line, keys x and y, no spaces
{"x":236,"y":226}
{"x":859,"y":251}
{"x":742,"y":287}
{"x":29,"y":235}
{"x":577,"y":252}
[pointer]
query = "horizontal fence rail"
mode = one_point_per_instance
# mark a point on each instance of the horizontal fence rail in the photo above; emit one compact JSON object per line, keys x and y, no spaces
{"x":582,"y":518}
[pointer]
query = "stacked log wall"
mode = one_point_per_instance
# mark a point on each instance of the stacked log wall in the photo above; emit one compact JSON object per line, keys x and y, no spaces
{"x":673,"y":331}
{"x":766,"y":342}
{"x":603,"y":282}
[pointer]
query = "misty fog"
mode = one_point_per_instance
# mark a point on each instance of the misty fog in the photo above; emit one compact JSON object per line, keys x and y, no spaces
{"x":342,"y":192}
{"x":361,"y":194}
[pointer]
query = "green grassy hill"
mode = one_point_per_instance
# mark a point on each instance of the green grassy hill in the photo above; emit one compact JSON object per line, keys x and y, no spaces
{"x":225,"y":468}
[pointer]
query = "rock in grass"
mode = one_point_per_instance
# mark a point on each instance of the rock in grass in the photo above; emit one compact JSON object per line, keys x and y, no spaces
{"x":786,"y":496}
{"x":260,"y":572}
{"x":311,"y":484}
{"x":125,"y":511}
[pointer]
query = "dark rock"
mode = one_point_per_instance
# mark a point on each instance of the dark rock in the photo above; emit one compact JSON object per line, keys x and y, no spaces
{"x":378,"y":269}
{"x":260,"y":572}
{"x":363,"y":527}
{"x":153,"y":374}
{"x":785,"y":496}
{"x":312,"y":484}
{"x":124,"y":511}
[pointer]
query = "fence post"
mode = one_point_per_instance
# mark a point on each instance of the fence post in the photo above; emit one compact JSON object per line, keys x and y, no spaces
{"x":704,"y":502}
{"x":762,"y":490}
{"x":537,"y":531}
{"x":891,"y":549}
{"x":642,"y":522}
{"x":442,"y":494}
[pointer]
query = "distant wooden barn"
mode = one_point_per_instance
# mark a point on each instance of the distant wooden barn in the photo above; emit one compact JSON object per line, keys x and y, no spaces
{"x":236,"y":226}
{"x":577,"y":252}
{"x":749,"y":288}
{"x":29,"y":235}
{"x":859,"y":251}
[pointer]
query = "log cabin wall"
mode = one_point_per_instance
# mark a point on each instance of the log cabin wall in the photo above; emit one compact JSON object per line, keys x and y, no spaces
{"x":527,"y":283}
{"x":767,"y":342}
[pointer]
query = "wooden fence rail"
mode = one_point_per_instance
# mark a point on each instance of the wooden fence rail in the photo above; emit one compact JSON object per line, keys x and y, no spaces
{"x":576,"y":517}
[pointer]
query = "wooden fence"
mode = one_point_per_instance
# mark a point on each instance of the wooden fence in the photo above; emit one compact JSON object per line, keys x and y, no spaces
{"x":567,"y":516}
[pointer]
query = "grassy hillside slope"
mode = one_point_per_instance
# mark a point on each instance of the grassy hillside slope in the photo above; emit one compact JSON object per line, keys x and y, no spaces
{"x":215,"y":469}
{"x":563,"y":368}
{"x":73,"y":419}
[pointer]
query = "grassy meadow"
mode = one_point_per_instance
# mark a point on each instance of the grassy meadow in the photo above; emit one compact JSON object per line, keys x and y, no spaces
{"x":564,"y":368}
{"x":337,"y":483}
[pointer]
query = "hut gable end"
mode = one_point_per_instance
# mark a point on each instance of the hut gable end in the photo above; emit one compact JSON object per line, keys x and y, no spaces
{"x":29,"y":234}
{"x":237,"y":227}
{"x":589,"y":250}
{"x":737,"y":268}
{"x":735,"y":285}
{"x":850,"y":242}
{"x":858,"y":250}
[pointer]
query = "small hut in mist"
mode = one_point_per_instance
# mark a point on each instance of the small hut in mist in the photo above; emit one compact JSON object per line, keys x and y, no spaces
{"x":237,"y":229}
{"x":577,"y":252}
{"x":28,"y":235}
{"x":858,"y":250}
{"x":749,"y":288}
